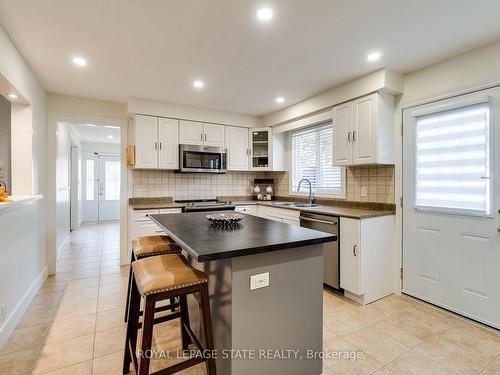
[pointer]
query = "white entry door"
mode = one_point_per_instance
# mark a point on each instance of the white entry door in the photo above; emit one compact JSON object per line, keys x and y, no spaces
{"x":451,"y":195}
{"x":109,"y":187}
{"x":101,"y":187}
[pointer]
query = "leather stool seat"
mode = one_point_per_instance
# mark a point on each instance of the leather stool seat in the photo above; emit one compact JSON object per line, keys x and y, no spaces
{"x":147,"y":246}
{"x":165,"y":273}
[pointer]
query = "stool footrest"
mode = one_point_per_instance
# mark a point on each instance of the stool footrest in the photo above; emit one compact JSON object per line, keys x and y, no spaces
{"x":179,"y":366}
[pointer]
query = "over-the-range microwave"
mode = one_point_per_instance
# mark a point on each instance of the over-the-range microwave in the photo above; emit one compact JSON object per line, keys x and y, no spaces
{"x":203,"y":159}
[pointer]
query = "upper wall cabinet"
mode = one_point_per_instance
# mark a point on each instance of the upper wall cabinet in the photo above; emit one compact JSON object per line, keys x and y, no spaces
{"x":267,"y":150}
{"x":237,"y":148}
{"x":156,"y":142}
{"x":198,"y":133}
{"x":363,"y":131}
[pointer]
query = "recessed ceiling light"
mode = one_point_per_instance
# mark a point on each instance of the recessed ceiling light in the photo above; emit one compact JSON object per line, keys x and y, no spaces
{"x":280,"y":99}
{"x":265,"y":14}
{"x":80,"y":61}
{"x":12,"y":96}
{"x":374,"y":56}
{"x":198,"y":84}
{"x":110,"y":137}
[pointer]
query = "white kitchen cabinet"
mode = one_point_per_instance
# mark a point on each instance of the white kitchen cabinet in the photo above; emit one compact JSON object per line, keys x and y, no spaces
{"x":213,"y":135}
{"x":367,"y":258}
{"x":198,"y":133}
{"x":168,"y":143}
{"x":146,"y":141}
{"x":250,"y":209}
{"x":156,"y":143}
{"x":363,"y":131}
{"x":237,"y":148}
{"x":267,"y":150}
{"x":191,"y":132}
{"x":279,"y":214}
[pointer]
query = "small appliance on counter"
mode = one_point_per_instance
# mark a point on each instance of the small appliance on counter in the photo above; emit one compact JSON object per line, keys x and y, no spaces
{"x":263,"y":188}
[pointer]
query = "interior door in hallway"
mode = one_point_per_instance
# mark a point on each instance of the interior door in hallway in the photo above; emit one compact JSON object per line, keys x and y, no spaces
{"x":451,"y":209}
{"x":109,"y":187}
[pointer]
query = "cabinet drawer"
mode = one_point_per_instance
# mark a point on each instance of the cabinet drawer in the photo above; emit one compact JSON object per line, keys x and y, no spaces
{"x":145,"y":228}
{"x":170,"y":210}
{"x":141,"y":215}
{"x":250,"y":209}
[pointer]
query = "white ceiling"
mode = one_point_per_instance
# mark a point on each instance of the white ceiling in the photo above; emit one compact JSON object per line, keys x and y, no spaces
{"x":97,"y":133}
{"x":154,"y":49}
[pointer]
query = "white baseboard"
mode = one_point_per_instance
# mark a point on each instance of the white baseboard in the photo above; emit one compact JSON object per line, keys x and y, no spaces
{"x":60,"y":251}
{"x":15,"y":317}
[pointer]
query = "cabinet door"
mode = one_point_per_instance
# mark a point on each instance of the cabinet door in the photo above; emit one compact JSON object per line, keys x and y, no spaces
{"x":364,"y":128}
{"x":146,"y":142}
{"x":213,"y":135}
{"x":261,"y":149}
{"x":237,"y":148}
{"x":191,"y":132}
{"x":350,"y":256}
{"x":342,"y":134}
{"x":145,"y":228}
{"x":168,"y":143}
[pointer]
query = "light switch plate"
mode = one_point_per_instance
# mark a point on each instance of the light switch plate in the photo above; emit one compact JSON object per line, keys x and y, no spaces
{"x":364,"y":191}
{"x":259,"y":281}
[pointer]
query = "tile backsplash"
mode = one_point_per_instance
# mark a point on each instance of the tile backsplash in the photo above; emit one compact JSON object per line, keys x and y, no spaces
{"x":150,"y":183}
{"x":378,"y":180}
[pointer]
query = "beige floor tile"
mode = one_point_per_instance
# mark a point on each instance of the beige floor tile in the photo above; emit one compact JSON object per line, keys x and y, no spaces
{"x":453,"y":356}
{"x":47,"y":301}
{"x":379,"y":346}
{"x":472,"y":337}
{"x":110,"y":289}
{"x":18,"y":363}
{"x":493,"y":368}
{"x":407,"y":332}
{"x":36,"y":316}
{"x":416,"y":363}
{"x":25,"y":338}
{"x":80,"y":294}
{"x":110,"y":364}
{"x":112,"y":302}
{"x":84,"y":368}
{"x":65,"y":329}
{"x":349,"y":359}
{"x":114,"y":279}
{"x":328,"y":335}
{"x":75,"y":308}
{"x":86,"y":266}
{"x":64,"y":268}
{"x":384,"y":371}
{"x":109,"y":341}
{"x":88,"y":259}
{"x":58,"y":278}
{"x":110,"y":319}
{"x":85,"y":274}
{"x":83,"y":283}
{"x":65,"y":353}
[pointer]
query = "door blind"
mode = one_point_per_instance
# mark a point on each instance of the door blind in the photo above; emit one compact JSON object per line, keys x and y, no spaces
{"x":312,"y":159}
{"x":452,"y":160}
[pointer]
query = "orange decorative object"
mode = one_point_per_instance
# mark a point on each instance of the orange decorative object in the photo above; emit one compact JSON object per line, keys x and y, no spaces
{"x":3,"y":195}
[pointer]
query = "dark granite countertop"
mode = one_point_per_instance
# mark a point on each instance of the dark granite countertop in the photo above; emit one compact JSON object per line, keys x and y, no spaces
{"x":253,"y":236}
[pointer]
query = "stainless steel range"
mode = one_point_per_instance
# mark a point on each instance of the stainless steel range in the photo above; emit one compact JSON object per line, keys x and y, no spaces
{"x":200,"y":205}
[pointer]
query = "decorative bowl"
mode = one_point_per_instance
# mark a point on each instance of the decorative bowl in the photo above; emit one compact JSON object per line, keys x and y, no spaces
{"x":225,"y":219}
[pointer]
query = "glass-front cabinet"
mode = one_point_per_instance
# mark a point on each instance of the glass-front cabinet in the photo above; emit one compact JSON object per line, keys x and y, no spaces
{"x":261,"y":149}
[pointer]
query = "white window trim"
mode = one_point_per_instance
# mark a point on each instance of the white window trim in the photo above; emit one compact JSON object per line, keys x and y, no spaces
{"x":341,"y":195}
{"x":454,"y":104}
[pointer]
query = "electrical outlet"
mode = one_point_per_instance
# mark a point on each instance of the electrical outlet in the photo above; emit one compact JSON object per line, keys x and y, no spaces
{"x":364,"y":191}
{"x":4,"y":312}
{"x":259,"y":281}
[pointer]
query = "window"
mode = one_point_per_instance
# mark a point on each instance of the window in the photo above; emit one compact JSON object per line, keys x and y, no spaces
{"x":312,"y":150}
{"x":453,"y":160}
{"x":112,"y":173}
{"x":90,"y":180}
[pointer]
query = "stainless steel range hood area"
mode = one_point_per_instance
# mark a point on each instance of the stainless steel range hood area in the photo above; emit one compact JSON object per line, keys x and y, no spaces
{"x":202,"y":159}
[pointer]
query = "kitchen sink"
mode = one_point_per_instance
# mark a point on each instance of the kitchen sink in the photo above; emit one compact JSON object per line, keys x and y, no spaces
{"x":283,"y":203}
{"x":294,"y":204}
{"x":305,"y":205}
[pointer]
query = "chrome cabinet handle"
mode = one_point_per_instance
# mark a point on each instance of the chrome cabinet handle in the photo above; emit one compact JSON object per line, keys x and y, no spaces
{"x":160,"y":146}
{"x":354,"y":136}
{"x":319,"y":221}
{"x":156,"y":145}
{"x":201,"y":136}
{"x":349,"y":137}
{"x":205,"y":136}
{"x":355,"y":250}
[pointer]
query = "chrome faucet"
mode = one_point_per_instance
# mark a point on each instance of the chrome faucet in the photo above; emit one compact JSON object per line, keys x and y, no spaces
{"x":311,"y":198}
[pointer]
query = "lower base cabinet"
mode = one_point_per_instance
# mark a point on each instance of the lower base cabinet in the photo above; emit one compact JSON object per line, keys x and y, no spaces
{"x":250,"y":209}
{"x":367,"y":258}
{"x":279,"y":214}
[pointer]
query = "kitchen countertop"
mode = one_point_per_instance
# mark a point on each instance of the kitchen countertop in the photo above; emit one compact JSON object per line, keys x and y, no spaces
{"x":349,"y":212}
{"x":254,"y":235}
{"x":146,"y":203}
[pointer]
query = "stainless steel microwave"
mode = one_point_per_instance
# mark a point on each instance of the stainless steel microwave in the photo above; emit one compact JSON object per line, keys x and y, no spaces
{"x":202,"y":159}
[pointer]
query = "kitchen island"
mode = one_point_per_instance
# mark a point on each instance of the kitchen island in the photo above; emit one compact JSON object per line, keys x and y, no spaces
{"x":273,"y":329}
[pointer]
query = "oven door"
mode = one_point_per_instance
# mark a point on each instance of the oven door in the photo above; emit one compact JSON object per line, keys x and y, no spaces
{"x":202,"y":159}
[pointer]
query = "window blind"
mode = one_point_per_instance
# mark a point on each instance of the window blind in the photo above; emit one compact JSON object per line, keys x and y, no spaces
{"x":312,"y":159}
{"x":452,"y":160}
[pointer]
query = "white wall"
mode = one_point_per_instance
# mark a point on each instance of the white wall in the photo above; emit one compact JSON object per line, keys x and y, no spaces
{"x":62,"y":185}
{"x":101,"y":148}
{"x":23,"y":231}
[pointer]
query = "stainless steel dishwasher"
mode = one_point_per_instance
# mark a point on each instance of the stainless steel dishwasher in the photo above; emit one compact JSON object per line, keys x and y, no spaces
{"x":331,"y":261}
